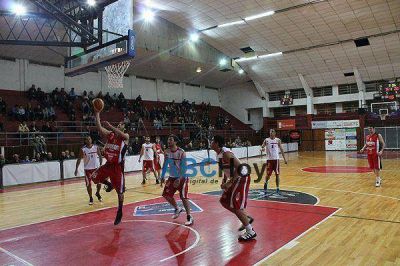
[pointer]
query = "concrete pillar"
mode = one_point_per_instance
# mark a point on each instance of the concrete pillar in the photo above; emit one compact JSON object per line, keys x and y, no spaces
{"x":292,"y":111}
{"x":339,"y":108}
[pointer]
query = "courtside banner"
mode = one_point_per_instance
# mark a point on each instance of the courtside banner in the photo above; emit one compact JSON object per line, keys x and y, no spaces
{"x":335,"y":124}
{"x":286,"y":124}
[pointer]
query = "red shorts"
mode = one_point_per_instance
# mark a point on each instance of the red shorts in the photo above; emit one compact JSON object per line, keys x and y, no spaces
{"x":147,"y":164}
{"x":88,"y":174}
{"x":272,"y":166}
{"x":235,"y":197}
{"x":374,"y":161}
{"x":157,"y":165}
{"x":176,"y":184}
{"x":114,"y":171}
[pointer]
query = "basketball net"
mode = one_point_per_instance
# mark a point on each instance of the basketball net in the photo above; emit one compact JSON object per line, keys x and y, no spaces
{"x":115,"y":74}
{"x":383,"y":116}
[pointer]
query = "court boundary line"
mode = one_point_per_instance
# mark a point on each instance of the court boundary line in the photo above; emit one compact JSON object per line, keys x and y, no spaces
{"x":77,"y":214}
{"x":12,"y":255}
{"x":297,"y":238}
{"x":134,"y":211}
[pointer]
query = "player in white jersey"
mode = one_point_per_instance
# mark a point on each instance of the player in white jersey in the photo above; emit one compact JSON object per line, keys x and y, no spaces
{"x":175,"y":159}
{"x":273,"y":145}
{"x":149,"y":153}
{"x":92,"y":160}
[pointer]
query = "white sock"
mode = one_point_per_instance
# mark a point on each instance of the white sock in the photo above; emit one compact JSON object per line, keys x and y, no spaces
{"x":249,"y":228}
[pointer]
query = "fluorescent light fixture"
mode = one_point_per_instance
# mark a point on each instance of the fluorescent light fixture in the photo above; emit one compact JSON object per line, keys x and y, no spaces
{"x":148,"y":15}
{"x":18,"y":9}
{"x":266,"y":14}
{"x":270,"y":55}
{"x":222,"y":62}
{"x":91,"y":2}
{"x":242,"y":59}
{"x":241,"y":71}
{"x":194,"y":37}
{"x":198,"y":70}
{"x":231,"y":23}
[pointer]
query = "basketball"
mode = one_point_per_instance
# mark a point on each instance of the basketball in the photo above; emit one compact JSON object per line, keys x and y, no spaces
{"x":98,"y":104}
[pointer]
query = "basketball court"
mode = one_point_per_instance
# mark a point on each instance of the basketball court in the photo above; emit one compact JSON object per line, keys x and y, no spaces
{"x":323,"y":74}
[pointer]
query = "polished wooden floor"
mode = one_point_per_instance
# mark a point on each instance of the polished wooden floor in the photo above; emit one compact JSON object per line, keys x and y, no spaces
{"x":366,"y":231}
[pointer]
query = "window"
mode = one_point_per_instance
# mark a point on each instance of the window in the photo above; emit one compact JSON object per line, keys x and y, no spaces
{"x":301,"y":110}
{"x":322,"y":91}
{"x":276,"y":95}
{"x":280,"y":112}
{"x":298,"y":94}
{"x":326,"y":108}
{"x":348,"y":89}
{"x":350,"y":107}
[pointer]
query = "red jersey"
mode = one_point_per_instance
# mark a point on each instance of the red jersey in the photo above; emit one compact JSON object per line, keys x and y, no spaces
{"x":372,"y":142}
{"x":158,"y":148}
{"x":115,"y":149}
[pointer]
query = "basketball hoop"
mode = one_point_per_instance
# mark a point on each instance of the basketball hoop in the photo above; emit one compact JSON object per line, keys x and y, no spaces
{"x":115,"y":74}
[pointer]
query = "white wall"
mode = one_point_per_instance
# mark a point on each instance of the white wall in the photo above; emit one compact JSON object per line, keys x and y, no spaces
{"x":237,"y":99}
{"x":256,"y":118}
{"x":21,"y":74}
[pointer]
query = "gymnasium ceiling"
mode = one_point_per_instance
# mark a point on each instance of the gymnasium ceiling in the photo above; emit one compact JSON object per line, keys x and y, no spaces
{"x":316,"y":37}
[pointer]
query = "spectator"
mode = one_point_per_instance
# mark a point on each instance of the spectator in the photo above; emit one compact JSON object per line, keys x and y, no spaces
{"x":67,"y":155}
{"x":23,"y":127}
{"x":238,"y":142}
{"x":26,"y":160}
{"x":136,"y":146}
{"x":38,"y":158}
{"x":38,"y":112}
{"x":85,"y":95}
{"x":72,"y":95}
{"x":2,"y":160}
{"x":85,"y":107}
{"x":32,"y":92}
{"x":33,"y":127}
{"x":15,"y":159}
{"x":72,"y":156}
{"x":49,"y":157}
{"x":21,"y":113}
{"x":3,"y":106}
{"x":91,"y":95}
{"x":62,"y":97}
{"x":51,"y":113}
{"x":47,"y":127}
{"x":100,"y":95}
{"x":29,"y":112}
{"x":63,"y":156}
{"x":55,"y":96}
{"x":39,"y":144}
{"x":40,"y":94}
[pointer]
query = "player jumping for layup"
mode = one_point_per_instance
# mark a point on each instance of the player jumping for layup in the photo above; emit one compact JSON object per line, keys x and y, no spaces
{"x":92,"y":159}
{"x":374,"y":145}
{"x":235,"y":186}
{"x":175,"y":157}
{"x":157,"y":162}
{"x":273,"y":146}
{"x":114,"y":152}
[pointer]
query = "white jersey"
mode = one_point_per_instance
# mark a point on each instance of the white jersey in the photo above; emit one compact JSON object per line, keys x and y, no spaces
{"x":91,"y":158}
{"x":272,"y":148}
{"x":148,"y":152}
{"x":176,"y":158}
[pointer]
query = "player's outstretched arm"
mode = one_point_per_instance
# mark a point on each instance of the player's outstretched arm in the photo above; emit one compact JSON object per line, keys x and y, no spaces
{"x":117,"y":131}
{"x":363,"y":148}
{"x":100,"y":156}
{"x":100,"y":128}
{"x":383,"y":144}
{"x":282,"y":151}
{"x":78,"y":162}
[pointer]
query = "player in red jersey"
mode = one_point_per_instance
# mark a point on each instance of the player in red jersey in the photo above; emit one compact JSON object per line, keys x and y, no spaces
{"x":157,"y":162}
{"x":149,"y":154}
{"x":235,"y":187}
{"x":92,"y":160}
{"x":175,"y":158}
{"x":114,"y":152}
{"x":374,"y":145}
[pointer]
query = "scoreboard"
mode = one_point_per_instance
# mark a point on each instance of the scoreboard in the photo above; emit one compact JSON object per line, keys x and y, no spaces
{"x":390,"y":91}
{"x":287,"y":99}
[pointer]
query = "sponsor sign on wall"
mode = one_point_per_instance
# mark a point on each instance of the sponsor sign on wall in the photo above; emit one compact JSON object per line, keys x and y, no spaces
{"x":335,"y":124}
{"x":340,"y":139}
{"x":286,"y":124}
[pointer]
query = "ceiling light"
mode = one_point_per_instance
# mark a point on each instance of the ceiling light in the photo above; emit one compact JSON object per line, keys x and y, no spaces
{"x":194,"y":37}
{"x":222,"y":62}
{"x":242,"y":59}
{"x":266,"y":14}
{"x":148,"y":15}
{"x":198,"y":70}
{"x":91,"y":2}
{"x":231,"y":23}
{"x":18,"y":10}
{"x":270,"y":55}
{"x":241,"y":71}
